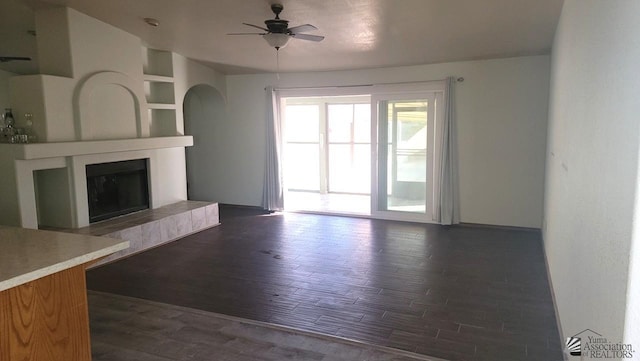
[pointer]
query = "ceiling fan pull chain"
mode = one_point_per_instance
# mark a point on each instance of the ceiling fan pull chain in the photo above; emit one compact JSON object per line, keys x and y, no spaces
{"x":278,"y":64}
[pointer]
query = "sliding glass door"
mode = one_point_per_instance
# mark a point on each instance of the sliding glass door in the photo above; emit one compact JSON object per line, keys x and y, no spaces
{"x":327,"y":154}
{"x":376,"y":155}
{"x":406,"y":166}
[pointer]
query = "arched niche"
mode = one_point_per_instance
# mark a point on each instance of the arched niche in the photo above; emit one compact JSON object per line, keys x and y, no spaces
{"x":204,"y":110}
{"x":110,"y":105}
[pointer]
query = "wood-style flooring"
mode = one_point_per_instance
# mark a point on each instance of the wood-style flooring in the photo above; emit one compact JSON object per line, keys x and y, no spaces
{"x":458,"y":293}
{"x":131,"y":329}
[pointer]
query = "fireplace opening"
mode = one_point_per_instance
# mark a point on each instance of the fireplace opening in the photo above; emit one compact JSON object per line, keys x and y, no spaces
{"x":117,"y":188}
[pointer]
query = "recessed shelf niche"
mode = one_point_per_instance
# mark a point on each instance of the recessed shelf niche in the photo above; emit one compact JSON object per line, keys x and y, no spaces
{"x":160,"y":91}
{"x":157,"y":62}
{"x":163,"y":122}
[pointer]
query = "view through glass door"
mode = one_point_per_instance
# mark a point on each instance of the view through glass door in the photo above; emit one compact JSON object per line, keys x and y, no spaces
{"x":406,"y":156}
{"x":327,"y":154}
{"x":375,"y":155}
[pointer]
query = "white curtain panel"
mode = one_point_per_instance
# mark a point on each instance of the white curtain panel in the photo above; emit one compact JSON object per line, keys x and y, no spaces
{"x":273,"y":195}
{"x":449,"y":210}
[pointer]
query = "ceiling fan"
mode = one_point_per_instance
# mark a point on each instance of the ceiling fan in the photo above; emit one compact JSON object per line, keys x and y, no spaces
{"x":278,"y":33}
{"x":6,"y":59}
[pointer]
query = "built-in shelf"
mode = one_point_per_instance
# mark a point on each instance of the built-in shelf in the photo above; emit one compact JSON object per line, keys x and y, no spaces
{"x":164,"y":106}
{"x":66,"y":149}
{"x":162,"y":122}
{"x":157,"y":62}
{"x":160,"y":92}
{"x":158,"y":78}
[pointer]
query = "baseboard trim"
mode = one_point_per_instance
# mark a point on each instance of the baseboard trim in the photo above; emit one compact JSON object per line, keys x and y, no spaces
{"x":553,"y":297}
{"x":494,"y":226}
{"x":242,"y":206}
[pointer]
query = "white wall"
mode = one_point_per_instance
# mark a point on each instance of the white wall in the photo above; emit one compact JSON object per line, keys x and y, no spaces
{"x":632,"y":314}
{"x":74,"y":48}
{"x":501,"y":112}
{"x":8,"y":202}
{"x":9,"y":206}
{"x":592,"y":164}
{"x":97,"y":46}
{"x":4,"y":89}
{"x":112,"y":113}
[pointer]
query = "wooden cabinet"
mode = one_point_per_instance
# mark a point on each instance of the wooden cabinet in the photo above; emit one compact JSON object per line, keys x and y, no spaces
{"x":46,"y":319}
{"x":43,"y":293}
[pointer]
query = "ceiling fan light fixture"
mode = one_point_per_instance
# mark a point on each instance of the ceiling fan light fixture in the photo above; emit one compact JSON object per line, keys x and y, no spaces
{"x":276,"y":40}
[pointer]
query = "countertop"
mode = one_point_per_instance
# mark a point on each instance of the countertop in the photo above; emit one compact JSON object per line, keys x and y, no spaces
{"x":28,"y":254}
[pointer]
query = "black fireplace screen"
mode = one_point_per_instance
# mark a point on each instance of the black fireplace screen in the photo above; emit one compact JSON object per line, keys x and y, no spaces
{"x":117,"y":188}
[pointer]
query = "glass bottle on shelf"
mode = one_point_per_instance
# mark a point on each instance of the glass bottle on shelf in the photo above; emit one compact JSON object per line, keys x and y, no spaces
{"x":9,"y":120}
{"x":7,"y":130}
{"x":28,"y":128}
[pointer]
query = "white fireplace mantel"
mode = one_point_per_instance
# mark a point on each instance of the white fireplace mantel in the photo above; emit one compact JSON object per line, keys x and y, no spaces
{"x":66,"y":149}
{"x":55,"y":174}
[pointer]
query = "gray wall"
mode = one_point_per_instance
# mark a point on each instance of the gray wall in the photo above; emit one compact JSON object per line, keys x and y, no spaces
{"x":204,"y":117}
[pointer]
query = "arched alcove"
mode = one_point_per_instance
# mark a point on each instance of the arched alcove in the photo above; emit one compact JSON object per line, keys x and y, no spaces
{"x":204,"y":111}
{"x":109,"y":105}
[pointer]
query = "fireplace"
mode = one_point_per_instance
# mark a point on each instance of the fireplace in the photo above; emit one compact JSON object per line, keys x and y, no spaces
{"x":117,"y":188}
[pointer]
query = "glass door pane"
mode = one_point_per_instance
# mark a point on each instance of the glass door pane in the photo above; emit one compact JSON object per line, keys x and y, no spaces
{"x":327,"y":154}
{"x":405,"y":156}
{"x":349,"y":148}
{"x":407,"y":150}
{"x":302,"y":142}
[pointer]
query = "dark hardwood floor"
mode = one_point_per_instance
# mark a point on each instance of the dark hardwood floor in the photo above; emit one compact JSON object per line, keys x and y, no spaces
{"x":459,"y":293}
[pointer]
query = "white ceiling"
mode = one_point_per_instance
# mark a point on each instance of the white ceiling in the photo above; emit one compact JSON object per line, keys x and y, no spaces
{"x":359,"y":33}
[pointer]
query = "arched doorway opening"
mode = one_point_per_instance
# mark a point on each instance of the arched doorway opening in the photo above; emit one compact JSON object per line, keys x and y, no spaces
{"x":204,"y":110}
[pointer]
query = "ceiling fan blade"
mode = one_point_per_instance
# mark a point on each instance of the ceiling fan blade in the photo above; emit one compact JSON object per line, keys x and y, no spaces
{"x":246,"y":33}
{"x":4,"y":59}
{"x":256,"y":26}
{"x":308,"y":37}
{"x":302,"y":28}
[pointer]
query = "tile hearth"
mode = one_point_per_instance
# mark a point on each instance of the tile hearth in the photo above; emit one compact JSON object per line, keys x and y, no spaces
{"x":153,"y":227}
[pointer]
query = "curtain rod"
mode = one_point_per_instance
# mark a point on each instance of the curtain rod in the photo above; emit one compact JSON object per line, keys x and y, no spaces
{"x":459,"y":80}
